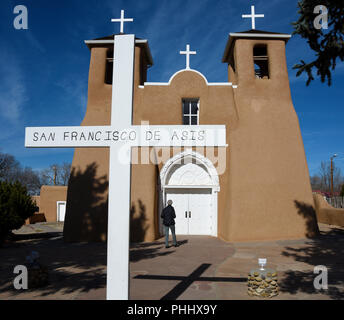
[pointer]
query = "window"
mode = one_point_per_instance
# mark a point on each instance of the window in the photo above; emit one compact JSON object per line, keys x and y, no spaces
{"x":190,"y":111}
{"x":261,"y":63}
{"x":109,"y":66}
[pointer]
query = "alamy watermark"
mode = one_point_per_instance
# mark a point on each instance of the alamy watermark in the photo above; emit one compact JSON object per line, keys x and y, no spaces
{"x":321,"y":280}
{"x":320,"y":21}
{"x":21,"y":20}
{"x":20,"y":281}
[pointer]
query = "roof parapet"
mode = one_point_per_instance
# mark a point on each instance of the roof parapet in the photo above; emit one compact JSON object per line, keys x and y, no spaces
{"x":142,"y":42}
{"x":252,"y":34}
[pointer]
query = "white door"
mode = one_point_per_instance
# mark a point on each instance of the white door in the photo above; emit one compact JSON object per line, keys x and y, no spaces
{"x":193,"y":209}
{"x":200,"y":211}
{"x":61,"y":210}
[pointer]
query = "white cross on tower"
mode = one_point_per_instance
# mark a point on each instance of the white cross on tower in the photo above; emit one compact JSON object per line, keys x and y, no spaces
{"x":120,"y":136}
{"x":187,"y":53}
{"x":253,"y":17}
{"x":122,"y":20}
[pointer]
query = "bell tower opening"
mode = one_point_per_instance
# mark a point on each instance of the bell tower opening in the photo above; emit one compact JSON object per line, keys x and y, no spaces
{"x":109,"y":66}
{"x":261,"y":61}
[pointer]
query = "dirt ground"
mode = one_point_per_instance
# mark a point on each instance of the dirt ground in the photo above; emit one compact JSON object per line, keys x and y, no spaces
{"x":201,"y":268}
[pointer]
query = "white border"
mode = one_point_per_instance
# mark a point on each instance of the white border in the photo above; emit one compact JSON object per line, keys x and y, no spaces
{"x":192,"y":154}
{"x":229,"y":84}
{"x":260,"y":35}
{"x":214,"y":177}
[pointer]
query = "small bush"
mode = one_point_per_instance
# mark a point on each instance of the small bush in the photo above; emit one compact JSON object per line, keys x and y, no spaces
{"x":16,"y":205}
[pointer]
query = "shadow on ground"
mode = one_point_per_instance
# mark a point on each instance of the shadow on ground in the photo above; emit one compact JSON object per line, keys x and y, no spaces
{"x":149,"y":250}
{"x":78,"y":268}
{"x":187,"y":281}
{"x":326,"y":250}
{"x":74,"y":268}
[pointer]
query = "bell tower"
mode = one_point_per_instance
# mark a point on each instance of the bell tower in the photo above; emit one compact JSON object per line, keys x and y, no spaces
{"x":257,"y":58}
{"x":267,"y":159}
{"x":87,"y":195}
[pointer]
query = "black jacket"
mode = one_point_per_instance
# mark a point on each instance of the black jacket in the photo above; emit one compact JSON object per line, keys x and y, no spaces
{"x":168,"y":214}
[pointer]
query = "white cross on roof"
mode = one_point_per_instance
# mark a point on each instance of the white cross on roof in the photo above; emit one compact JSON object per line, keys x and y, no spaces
{"x":187,"y":53}
{"x":253,"y":17}
{"x":122,"y":20}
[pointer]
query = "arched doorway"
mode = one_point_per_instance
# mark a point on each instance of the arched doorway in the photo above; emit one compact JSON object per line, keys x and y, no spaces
{"x":191,"y":181}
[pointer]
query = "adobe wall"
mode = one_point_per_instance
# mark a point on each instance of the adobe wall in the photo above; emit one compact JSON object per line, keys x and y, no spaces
{"x":86,"y":210}
{"x":161,"y":105}
{"x":265,"y":192}
{"x":269,"y":195}
{"x":49,"y":196}
{"x":326,"y":213}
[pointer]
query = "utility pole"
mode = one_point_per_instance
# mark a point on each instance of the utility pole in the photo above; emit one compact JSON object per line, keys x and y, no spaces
{"x":55,"y":173}
{"x":335,"y":155}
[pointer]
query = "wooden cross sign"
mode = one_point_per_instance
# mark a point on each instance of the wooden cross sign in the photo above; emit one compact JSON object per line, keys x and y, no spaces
{"x":122,"y":132}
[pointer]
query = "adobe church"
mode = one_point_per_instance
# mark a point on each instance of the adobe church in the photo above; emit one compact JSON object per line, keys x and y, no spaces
{"x":255,"y":188}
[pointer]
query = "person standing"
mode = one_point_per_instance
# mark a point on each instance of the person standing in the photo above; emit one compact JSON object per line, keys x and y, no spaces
{"x":168,"y":215}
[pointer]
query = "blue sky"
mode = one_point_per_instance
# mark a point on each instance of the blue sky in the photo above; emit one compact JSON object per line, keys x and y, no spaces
{"x":44,"y":70}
